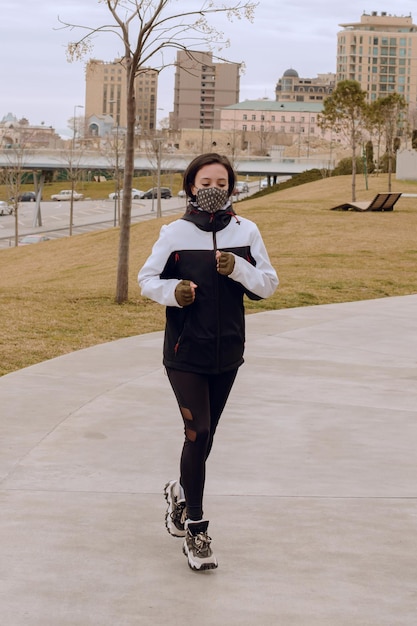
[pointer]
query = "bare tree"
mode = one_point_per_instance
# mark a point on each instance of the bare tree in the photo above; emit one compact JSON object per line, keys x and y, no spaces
{"x":16,"y":155}
{"x":113,"y":150}
{"x":73,"y":159}
{"x":146,"y":29}
{"x":345,"y":113}
{"x":391,"y":115}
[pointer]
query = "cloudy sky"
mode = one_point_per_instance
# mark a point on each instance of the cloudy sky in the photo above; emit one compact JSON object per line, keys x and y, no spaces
{"x":37,"y":82}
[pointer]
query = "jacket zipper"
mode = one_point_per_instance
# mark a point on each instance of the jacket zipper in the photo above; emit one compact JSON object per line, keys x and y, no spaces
{"x":216,"y":288}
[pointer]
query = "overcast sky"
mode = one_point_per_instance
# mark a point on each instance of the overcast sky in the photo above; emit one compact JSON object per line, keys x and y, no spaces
{"x":37,"y":82}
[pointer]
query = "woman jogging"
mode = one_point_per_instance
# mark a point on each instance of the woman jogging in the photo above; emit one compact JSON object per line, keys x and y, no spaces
{"x":200,"y":268}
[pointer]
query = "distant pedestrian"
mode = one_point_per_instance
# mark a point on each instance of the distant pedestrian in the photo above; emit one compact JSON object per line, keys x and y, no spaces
{"x":200,"y":268}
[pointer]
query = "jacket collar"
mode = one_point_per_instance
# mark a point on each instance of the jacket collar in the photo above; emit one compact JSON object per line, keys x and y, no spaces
{"x":209,"y":222}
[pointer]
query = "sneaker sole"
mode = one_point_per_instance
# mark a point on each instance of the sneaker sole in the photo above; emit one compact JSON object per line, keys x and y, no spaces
{"x":171,"y":528}
{"x":203,"y":566}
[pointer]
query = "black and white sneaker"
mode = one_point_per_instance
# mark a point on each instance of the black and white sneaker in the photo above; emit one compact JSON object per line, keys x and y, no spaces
{"x":197,"y":547}
{"x":176,"y":512}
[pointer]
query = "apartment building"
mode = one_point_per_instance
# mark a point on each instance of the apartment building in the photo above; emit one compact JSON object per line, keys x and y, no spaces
{"x":380,"y":53}
{"x":260,"y":124}
{"x":202,"y":87}
{"x":292,"y":88}
{"x":105,"y":97}
{"x":269,"y":116}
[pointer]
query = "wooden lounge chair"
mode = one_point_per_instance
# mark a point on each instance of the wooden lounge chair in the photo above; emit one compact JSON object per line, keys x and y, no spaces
{"x":381,"y":202}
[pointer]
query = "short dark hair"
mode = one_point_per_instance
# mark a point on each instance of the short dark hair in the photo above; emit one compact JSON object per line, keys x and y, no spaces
{"x":207,"y":159}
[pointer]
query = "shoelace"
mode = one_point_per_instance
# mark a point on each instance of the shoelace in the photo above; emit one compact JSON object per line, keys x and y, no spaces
{"x":202,"y":543}
{"x":178,"y":515}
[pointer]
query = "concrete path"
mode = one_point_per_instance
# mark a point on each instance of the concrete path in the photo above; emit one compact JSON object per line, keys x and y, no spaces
{"x":311,"y":489}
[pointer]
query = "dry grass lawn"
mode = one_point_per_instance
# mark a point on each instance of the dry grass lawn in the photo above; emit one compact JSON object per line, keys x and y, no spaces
{"x":58,"y":296}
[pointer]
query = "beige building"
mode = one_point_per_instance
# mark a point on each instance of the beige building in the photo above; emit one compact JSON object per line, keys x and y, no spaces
{"x":292,"y":88}
{"x":258,"y":127}
{"x":263,"y":123}
{"x":105,"y":97}
{"x":380,"y":52}
{"x":201,"y":89}
{"x":21,"y":134}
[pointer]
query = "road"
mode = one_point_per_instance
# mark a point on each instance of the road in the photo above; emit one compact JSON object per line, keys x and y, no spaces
{"x":89,"y":216}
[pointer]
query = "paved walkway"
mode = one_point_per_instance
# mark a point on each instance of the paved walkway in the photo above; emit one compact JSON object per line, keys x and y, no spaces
{"x":311,"y":490}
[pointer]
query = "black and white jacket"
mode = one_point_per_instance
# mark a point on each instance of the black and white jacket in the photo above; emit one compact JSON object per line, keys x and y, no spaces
{"x":207,"y":336}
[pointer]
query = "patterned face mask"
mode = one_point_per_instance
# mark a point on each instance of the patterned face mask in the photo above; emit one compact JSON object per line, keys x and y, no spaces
{"x":211,"y":199}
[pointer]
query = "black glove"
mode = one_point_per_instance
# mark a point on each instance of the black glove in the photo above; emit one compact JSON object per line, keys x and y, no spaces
{"x":225,"y":263}
{"x":184,"y":293}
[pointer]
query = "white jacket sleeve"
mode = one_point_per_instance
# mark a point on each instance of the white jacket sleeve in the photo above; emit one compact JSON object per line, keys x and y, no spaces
{"x":262,"y":279}
{"x":151,"y":284}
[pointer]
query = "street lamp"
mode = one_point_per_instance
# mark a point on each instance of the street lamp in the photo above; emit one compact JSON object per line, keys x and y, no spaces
{"x":72,"y":172}
{"x":117,"y":172}
{"x":76,"y":106}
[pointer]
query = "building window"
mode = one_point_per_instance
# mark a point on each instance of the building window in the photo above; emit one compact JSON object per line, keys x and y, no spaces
{"x":253,"y":127}
{"x":244,"y":127}
{"x":245,"y":117}
{"x":253,"y":118}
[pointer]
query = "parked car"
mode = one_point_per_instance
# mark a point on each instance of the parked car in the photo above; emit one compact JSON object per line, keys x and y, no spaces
{"x":27,"y":196}
{"x":137,"y":194}
{"x":65,"y":194}
{"x":32,"y":239}
{"x":152,"y":193}
{"x":241,"y":187}
{"x":181,"y":193}
{"x":264,"y":183}
{"x":5,"y":208}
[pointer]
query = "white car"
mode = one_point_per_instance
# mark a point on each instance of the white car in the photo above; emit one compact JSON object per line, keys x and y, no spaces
{"x":65,"y":194}
{"x":5,"y":208}
{"x":137,"y":194}
{"x":242,"y":187}
{"x":28,"y":239}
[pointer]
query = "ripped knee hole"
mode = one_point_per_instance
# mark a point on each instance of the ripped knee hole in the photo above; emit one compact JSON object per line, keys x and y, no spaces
{"x":190,"y":434}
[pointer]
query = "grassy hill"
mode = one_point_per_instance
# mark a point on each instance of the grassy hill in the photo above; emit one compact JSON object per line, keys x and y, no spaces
{"x":58,"y":296}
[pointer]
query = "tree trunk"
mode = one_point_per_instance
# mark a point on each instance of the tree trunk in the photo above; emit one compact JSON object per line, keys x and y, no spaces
{"x":389,"y":170}
{"x":122,"y":286}
{"x":353,"y":168}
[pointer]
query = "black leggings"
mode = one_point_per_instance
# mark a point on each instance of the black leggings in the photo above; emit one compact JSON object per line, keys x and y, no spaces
{"x":201,"y":399}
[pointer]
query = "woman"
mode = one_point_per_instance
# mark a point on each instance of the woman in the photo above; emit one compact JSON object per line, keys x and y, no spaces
{"x":200,"y":268}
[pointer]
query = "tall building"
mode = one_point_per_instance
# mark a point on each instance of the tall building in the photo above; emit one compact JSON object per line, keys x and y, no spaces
{"x":105,"y":97}
{"x":380,"y":53}
{"x":201,"y":89}
{"x":292,"y":88}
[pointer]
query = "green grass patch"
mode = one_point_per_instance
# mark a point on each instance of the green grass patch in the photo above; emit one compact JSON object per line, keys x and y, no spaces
{"x":58,"y":296}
